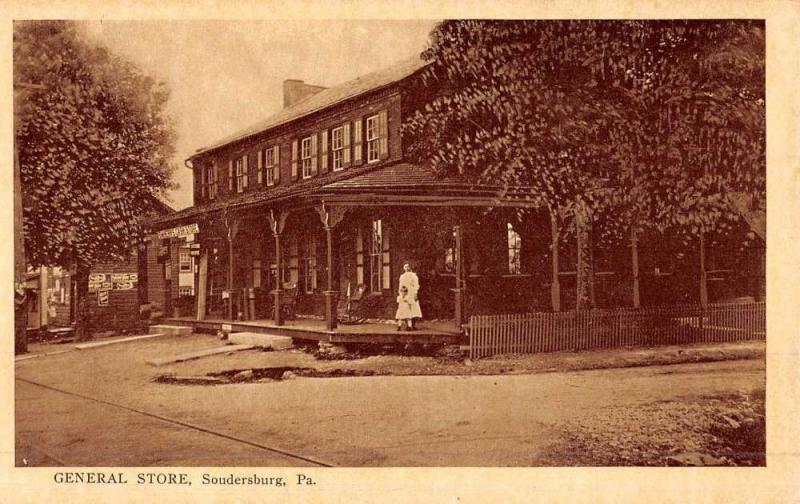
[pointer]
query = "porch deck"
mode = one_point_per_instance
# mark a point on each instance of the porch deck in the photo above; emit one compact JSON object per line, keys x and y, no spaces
{"x":432,"y":332}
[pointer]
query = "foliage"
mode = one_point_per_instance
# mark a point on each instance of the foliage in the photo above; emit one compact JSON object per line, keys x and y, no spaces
{"x":655,"y":123}
{"x":94,"y":146}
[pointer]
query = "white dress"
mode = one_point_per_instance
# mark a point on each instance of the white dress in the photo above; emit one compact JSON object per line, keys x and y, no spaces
{"x":410,"y":281}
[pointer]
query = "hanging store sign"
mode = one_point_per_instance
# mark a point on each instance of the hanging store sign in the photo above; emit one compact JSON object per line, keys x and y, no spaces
{"x":178,"y":232}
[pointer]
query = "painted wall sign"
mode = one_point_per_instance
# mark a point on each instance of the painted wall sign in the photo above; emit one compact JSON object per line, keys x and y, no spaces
{"x":97,"y":277}
{"x":102,"y":298}
{"x":179,"y":231}
{"x":109,"y":281}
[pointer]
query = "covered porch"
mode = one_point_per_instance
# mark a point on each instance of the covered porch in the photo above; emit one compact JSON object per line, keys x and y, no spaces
{"x":429,"y":332}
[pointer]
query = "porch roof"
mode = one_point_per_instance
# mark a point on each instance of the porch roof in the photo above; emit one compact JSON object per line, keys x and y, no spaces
{"x":256,"y":197}
{"x":397,"y":179}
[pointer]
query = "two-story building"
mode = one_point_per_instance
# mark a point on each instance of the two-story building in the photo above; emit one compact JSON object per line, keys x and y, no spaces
{"x":318,"y":201}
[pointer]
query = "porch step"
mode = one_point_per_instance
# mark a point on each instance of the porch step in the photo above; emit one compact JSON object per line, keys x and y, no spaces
{"x":261,"y":340}
{"x":197,"y":355}
{"x":174,"y":330}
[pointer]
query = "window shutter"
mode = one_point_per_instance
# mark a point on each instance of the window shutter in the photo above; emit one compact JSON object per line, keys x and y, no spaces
{"x":357,"y":141}
{"x":203,"y":182}
{"x":346,"y":151}
{"x":387,"y":262}
{"x":216,"y":179}
{"x":314,"y":159}
{"x":294,"y":159}
{"x":230,"y":175}
{"x":277,"y":158}
{"x":260,"y":161}
{"x":245,"y":158}
{"x":359,"y":257}
{"x":383,"y":134}
{"x":324,"y":155}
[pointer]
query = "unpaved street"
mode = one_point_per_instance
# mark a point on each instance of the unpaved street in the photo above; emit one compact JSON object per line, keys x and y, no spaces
{"x":365,"y":421}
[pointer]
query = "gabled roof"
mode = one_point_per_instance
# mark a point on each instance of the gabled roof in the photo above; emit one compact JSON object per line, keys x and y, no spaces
{"x":331,"y":96}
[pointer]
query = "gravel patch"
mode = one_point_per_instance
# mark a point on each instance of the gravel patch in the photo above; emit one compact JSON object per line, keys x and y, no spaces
{"x":719,"y":431}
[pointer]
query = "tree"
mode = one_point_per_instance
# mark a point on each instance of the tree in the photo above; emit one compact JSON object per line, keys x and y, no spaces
{"x":653,"y":122}
{"x":94,"y":148}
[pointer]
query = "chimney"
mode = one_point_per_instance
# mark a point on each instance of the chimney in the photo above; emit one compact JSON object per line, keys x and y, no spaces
{"x":295,"y":90}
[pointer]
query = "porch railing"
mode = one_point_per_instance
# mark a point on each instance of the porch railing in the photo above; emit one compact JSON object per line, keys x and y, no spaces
{"x":566,"y":331}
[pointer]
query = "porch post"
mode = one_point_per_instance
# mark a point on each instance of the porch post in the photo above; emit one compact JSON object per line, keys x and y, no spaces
{"x":330,"y":303}
{"x":233,"y":229}
{"x":459,"y":290}
{"x":703,"y":275}
{"x":330,"y":217}
{"x":276,"y":223}
{"x":555,"y":286}
{"x":635,"y":266}
{"x":202,"y":282}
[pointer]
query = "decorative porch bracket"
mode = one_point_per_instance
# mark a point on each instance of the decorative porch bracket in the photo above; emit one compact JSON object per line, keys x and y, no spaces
{"x":276,"y":224}
{"x":330,"y":217}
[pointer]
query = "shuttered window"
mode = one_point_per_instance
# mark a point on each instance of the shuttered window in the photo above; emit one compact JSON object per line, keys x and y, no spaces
{"x":209,"y":175}
{"x":310,"y":265}
{"x":337,"y":146}
{"x":376,"y":257}
{"x":292,"y":263}
{"x":269,"y":158}
{"x":387,"y":262}
{"x":359,"y":257}
{"x":308,"y":156}
{"x":240,"y":168}
{"x":373,"y":139}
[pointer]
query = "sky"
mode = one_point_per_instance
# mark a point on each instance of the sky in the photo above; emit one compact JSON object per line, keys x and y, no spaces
{"x":226,"y":75}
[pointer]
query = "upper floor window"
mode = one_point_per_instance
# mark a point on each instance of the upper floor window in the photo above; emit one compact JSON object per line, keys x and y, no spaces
{"x":373,"y":139}
{"x":306,"y":156}
{"x":337,"y":146}
{"x":210,"y":175}
{"x":376,"y":137}
{"x":240,"y":173}
{"x":271,"y":164}
{"x":514,"y":251}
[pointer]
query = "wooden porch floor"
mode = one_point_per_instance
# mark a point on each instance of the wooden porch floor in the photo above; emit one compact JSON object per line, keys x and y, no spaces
{"x":434,"y":332}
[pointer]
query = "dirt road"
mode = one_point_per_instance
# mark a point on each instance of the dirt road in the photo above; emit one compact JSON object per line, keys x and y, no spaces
{"x":367,"y":421}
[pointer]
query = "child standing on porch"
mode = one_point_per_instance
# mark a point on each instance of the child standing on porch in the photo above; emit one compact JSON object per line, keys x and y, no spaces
{"x":404,"y":313}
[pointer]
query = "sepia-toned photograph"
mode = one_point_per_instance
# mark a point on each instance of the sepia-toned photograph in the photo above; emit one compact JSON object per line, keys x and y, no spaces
{"x":388,"y":243}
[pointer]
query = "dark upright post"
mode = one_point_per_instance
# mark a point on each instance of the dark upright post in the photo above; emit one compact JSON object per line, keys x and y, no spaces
{"x":459,"y":290}
{"x":555,"y":286}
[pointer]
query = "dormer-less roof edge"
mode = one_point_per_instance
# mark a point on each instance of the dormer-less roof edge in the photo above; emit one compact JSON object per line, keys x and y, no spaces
{"x":315,"y":103}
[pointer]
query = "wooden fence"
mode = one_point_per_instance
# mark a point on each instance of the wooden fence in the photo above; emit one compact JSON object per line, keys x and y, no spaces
{"x":668,"y":325}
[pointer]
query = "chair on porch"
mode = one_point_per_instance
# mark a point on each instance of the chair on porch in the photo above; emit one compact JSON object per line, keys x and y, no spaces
{"x":350,"y":307}
{"x":289,"y":301}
